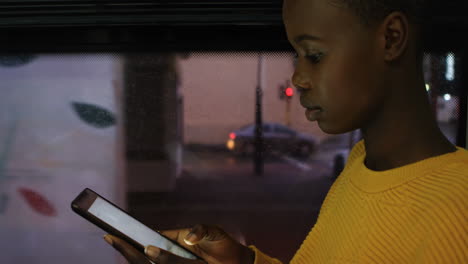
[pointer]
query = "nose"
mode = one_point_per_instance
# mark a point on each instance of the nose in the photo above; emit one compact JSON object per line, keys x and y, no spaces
{"x":300,"y":79}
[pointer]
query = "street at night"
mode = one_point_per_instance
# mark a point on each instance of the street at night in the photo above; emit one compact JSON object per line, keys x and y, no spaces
{"x":274,"y":211}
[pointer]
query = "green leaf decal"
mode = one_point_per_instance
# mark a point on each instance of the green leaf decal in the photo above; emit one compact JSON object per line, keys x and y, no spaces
{"x":94,"y":115}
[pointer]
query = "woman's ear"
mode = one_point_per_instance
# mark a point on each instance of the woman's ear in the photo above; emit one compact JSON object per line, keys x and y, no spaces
{"x":394,"y":35}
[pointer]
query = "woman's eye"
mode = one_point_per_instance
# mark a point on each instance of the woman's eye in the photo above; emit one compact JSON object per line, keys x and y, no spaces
{"x":315,"y":58}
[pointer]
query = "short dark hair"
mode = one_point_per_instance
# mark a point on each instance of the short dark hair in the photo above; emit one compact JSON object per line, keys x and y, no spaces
{"x":370,"y":11}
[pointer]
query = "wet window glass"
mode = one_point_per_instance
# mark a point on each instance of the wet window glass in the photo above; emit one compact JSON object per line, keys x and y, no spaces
{"x":171,"y":138}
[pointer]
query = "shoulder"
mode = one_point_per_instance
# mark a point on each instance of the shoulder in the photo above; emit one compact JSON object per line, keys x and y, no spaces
{"x":448,"y":176}
{"x":444,"y":191}
{"x":454,"y":171}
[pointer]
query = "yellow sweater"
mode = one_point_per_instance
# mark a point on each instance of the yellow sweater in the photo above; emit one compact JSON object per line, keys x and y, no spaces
{"x":413,"y":214}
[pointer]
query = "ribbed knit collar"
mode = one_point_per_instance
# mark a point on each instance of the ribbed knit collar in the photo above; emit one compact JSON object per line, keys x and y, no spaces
{"x":377,"y":181}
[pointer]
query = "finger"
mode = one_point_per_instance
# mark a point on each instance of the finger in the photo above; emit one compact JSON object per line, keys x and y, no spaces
{"x":204,"y":232}
{"x":196,"y":234}
{"x":130,"y":253}
{"x":176,"y":234}
{"x":161,"y":256}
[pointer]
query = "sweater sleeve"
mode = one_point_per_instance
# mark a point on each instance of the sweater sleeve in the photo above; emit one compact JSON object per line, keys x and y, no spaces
{"x":447,"y":236}
{"x":445,"y":246}
{"x":261,"y":258}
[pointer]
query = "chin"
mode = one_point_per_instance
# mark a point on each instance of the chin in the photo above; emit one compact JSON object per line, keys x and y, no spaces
{"x":334,"y":128}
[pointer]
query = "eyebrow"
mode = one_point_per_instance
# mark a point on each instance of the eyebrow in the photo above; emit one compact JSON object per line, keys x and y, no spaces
{"x":305,"y":37}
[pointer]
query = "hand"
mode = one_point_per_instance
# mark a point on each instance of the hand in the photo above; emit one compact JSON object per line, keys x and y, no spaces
{"x":209,"y":242}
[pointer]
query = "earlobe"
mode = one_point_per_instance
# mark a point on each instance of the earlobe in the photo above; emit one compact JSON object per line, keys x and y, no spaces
{"x":395,"y":30}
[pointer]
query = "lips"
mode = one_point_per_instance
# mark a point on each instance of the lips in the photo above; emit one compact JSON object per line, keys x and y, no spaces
{"x":313,"y":113}
{"x":313,"y":108}
{"x":307,"y":104}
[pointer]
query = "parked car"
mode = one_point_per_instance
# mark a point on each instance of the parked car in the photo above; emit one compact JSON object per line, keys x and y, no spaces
{"x":277,"y":138}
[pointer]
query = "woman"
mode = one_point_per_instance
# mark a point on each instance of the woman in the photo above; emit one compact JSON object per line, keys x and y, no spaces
{"x":402,"y":195}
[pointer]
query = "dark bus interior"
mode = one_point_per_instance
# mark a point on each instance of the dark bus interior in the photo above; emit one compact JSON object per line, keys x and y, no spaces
{"x":173,"y":168}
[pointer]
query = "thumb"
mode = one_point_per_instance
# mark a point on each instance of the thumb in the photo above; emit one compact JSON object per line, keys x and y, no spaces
{"x":201,"y":233}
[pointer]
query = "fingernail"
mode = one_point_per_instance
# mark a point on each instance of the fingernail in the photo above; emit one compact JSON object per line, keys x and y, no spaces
{"x":190,"y":239}
{"x":108,"y":240}
{"x":152,"y":252}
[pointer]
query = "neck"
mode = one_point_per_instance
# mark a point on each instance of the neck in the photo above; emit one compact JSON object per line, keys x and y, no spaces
{"x":405,"y":130}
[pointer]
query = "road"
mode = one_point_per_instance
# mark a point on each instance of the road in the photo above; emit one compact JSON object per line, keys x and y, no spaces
{"x":274,"y":211}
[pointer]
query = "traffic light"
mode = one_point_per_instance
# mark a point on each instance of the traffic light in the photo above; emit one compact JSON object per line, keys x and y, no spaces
{"x":285,"y":92}
{"x":289,"y":92}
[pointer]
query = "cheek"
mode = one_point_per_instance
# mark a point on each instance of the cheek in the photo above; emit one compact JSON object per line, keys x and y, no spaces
{"x":341,"y":85}
{"x":346,"y":94}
